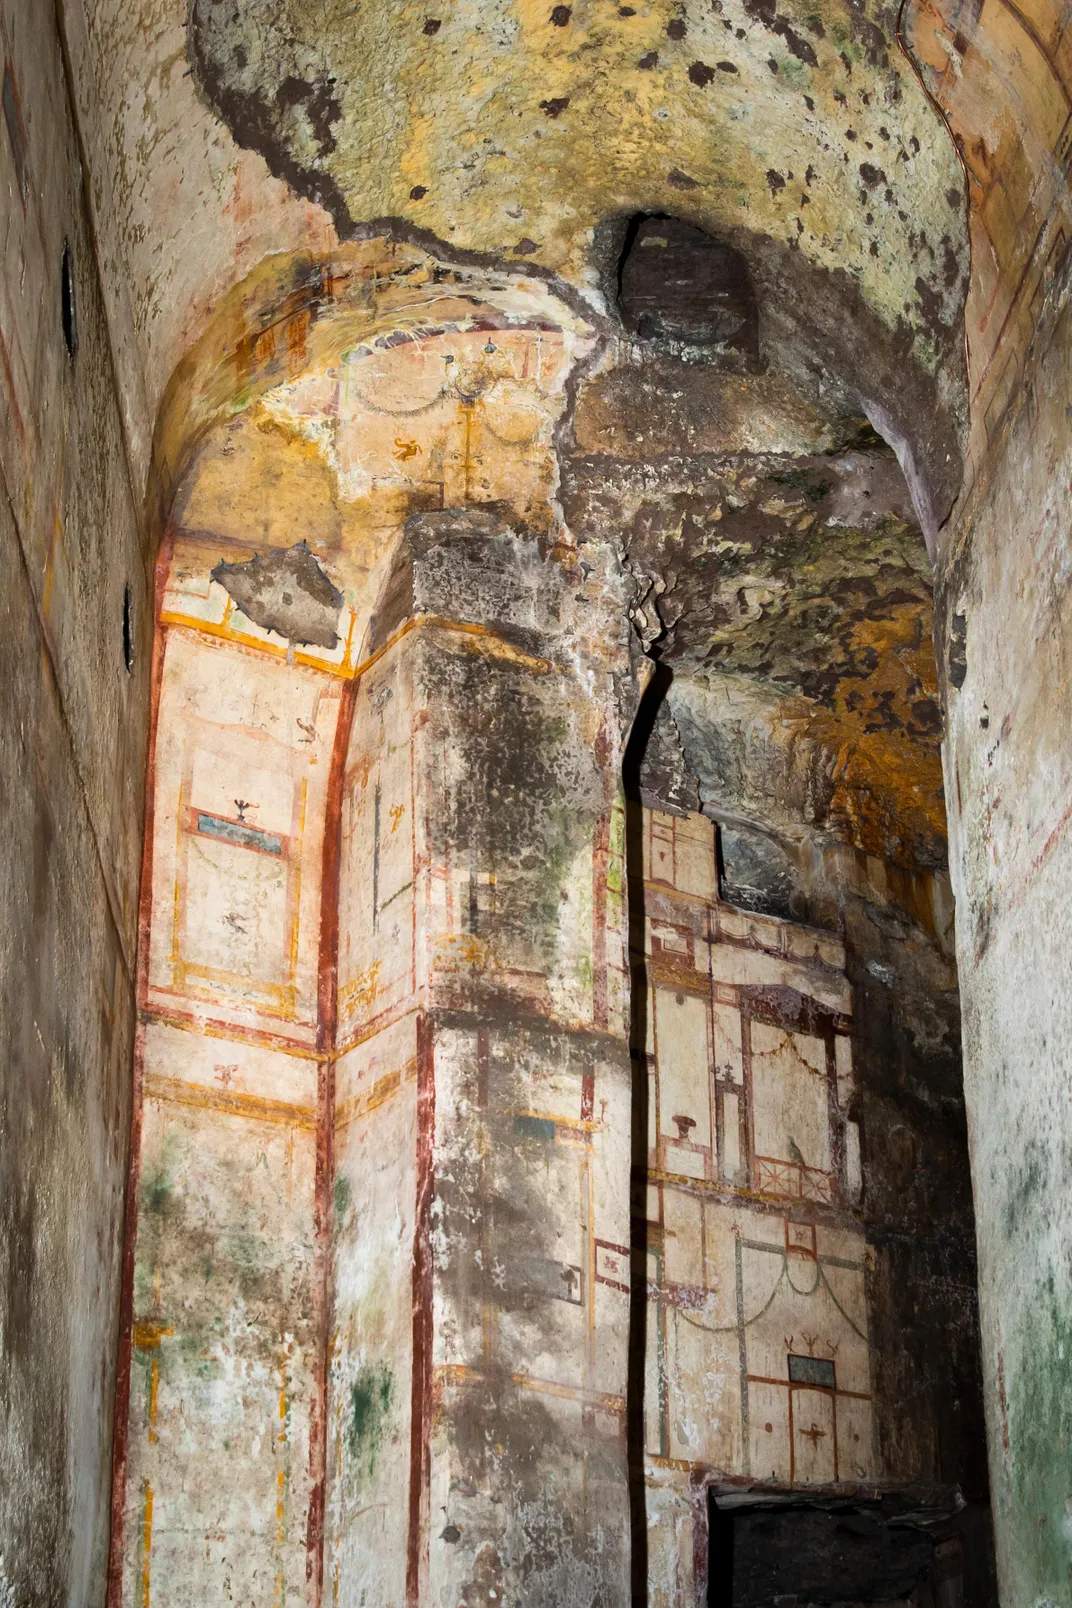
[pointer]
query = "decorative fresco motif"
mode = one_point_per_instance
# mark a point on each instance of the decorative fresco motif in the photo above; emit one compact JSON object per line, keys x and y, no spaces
{"x":758,"y":1364}
{"x":284,"y":1104}
{"x":363,"y":1224}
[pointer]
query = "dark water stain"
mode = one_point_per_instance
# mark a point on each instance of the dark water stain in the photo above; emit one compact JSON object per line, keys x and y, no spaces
{"x":341,"y":1197}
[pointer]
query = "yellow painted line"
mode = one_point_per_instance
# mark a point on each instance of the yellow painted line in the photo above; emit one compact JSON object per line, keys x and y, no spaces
{"x":154,"y":1386}
{"x":229,"y":1102}
{"x":458,"y":1374}
{"x":146,"y":1544}
{"x":383,"y":1089}
{"x":485,"y":640}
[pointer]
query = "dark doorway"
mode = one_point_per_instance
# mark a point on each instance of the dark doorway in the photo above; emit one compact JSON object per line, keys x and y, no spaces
{"x":851,"y":1555}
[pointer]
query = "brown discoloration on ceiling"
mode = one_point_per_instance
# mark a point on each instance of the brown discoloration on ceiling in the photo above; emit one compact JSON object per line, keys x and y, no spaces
{"x":651,"y":405}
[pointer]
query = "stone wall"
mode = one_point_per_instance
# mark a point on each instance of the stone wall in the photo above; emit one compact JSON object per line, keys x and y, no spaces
{"x":1004,"y":593}
{"x":1003,"y":79}
{"x":76,"y":650}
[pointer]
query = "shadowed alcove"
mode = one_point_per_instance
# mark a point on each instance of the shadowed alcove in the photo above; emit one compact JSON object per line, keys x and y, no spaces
{"x":789,"y":737}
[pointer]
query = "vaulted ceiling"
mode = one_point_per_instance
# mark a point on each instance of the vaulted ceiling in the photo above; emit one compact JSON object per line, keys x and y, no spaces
{"x":273,"y":184}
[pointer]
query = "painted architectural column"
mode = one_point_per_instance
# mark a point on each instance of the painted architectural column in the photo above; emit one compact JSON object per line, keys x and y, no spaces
{"x":476,"y":1410}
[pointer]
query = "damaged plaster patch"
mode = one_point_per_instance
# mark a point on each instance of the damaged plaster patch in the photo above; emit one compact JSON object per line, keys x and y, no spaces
{"x":285,"y":107}
{"x":667,"y":781}
{"x":286,"y":592}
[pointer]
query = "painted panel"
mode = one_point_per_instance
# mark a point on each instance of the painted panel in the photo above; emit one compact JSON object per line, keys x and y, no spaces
{"x":224,"y":1349}
{"x":371,"y":1368}
{"x":227,"y":1322}
{"x":681,"y":1034}
{"x":790,"y":1111}
{"x":377,"y":886}
{"x":758,"y":1359}
{"x":240,"y":790}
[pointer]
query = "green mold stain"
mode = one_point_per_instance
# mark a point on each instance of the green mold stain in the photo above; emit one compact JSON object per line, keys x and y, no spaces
{"x":160,"y":1171}
{"x":370,"y":1403}
{"x":158,"y":1182}
{"x":1039,"y":1470}
{"x":342,"y":1195}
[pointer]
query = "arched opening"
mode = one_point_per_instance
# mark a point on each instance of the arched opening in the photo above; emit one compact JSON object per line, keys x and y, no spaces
{"x":431,"y":521}
{"x":377,"y":1313}
{"x":787,"y":809}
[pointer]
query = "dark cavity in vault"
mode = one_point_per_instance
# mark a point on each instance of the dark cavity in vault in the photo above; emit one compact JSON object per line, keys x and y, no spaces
{"x":676,"y":283}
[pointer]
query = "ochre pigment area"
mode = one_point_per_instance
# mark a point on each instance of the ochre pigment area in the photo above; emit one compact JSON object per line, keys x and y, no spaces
{"x":741,"y":117}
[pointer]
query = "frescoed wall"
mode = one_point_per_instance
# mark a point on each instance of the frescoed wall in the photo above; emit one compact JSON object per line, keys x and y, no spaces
{"x":385,"y":1271}
{"x":757,"y":1350}
{"x":758,"y":1360}
{"x":758,"y":1363}
{"x":383,"y":1150}
{"x":227,"y":1308}
{"x":477,"y":1164}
